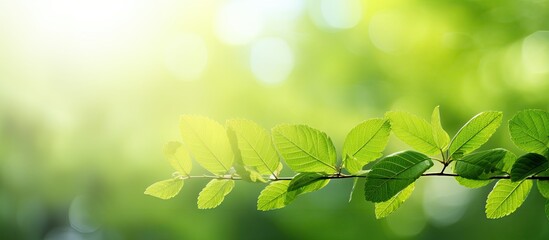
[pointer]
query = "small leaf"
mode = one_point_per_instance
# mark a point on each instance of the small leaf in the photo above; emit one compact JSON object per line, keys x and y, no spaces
{"x":356,"y":180}
{"x":214,"y":193}
{"x":480,"y":165}
{"x":208,"y":143}
{"x":528,"y":164}
{"x":273,"y":196}
{"x":474,"y":133}
{"x":165,"y":189}
{"x":543,"y":185}
{"x":178,"y":157}
{"x":305,"y":183}
{"x":255,"y":145}
{"x":394,"y":173}
{"x":414,"y":131}
{"x":365,"y":143}
{"x":529,"y":130}
{"x":470,"y":183}
{"x":439,"y":135}
{"x":305,"y":149}
{"x":383,"y":209}
{"x":506,"y":197}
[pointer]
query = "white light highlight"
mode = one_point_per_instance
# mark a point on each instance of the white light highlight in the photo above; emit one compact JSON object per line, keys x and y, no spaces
{"x":535,"y":52}
{"x":186,"y":56}
{"x":341,"y":14}
{"x":239,"y":22}
{"x":271,"y":60}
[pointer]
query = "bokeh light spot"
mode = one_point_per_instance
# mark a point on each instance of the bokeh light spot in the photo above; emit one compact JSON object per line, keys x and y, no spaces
{"x":342,"y":14}
{"x":388,"y":32}
{"x":535,"y":52}
{"x":445,"y":201}
{"x":271,"y":60}
{"x":239,"y":22}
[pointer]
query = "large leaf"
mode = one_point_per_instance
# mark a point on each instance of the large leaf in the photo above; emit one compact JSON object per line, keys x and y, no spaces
{"x":528,"y":164}
{"x":305,"y":149}
{"x":214,"y":193}
{"x":480,"y":165}
{"x":165,"y":189}
{"x":414,"y":131}
{"x":530,"y":130}
{"x":383,"y":209}
{"x":178,"y":157}
{"x":439,"y":135}
{"x":365,"y":143}
{"x":255,"y":145}
{"x":470,"y":183}
{"x":208,"y":143}
{"x":506,"y":197}
{"x":305,"y":183}
{"x":543,"y":185}
{"x":394,"y":173}
{"x":273,"y":196}
{"x":474,"y":133}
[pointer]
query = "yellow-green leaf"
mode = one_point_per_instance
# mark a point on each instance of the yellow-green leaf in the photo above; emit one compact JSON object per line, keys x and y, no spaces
{"x":365,"y":143}
{"x":414,"y":131}
{"x":506,"y":197}
{"x":273,"y":196}
{"x":474,"y":133}
{"x":529,"y":130}
{"x":208,"y":143}
{"x":439,"y":135}
{"x":178,"y":157}
{"x":165,"y":189}
{"x":214,"y":193}
{"x":383,"y":209}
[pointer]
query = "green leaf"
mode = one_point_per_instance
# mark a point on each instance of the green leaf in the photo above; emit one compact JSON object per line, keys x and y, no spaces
{"x":543,"y":185}
{"x":480,"y":165}
{"x":474,"y":133}
{"x":470,"y":183}
{"x":214,"y":193}
{"x":178,"y":157}
{"x":439,"y":135}
{"x":528,"y":164}
{"x":383,"y":209}
{"x":305,"y":149}
{"x":208,"y":143}
{"x":365,"y":143}
{"x":394,"y":173}
{"x":255,"y":145}
{"x":273,"y":196}
{"x":356,"y":180}
{"x":529,"y":130}
{"x":305,"y":183}
{"x":165,"y":189}
{"x":506,"y":197}
{"x":414,"y":131}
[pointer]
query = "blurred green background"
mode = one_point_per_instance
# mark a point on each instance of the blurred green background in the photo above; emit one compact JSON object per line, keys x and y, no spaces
{"x":90,"y":91}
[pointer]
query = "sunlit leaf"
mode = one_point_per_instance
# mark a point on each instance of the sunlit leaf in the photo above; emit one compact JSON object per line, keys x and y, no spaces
{"x":439,"y":135}
{"x":474,"y":133}
{"x":529,"y":130}
{"x":543,"y":185}
{"x":305,"y":149}
{"x":414,"y":131}
{"x":506,"y":197}
{"x":480,"y":165}
{"x":165,"y":189}
{"x":470,"y":183}
{"x":528,"y":164}
{"x":394,"y":173}
{"x":384,"y":209}
{"x":255,"y":145}
{"x":273,"y":196}
{"x":208,"y":143}
{"x":305,"y":183}
{"x":214,"y":193}
{"x":365,"y":143}
{"x":178,"y":157}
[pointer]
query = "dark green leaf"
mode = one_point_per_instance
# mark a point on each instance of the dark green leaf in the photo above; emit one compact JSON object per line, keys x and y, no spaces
{"x":480,"y":165}
{"x":393,"y":173}
{"x":529,"y":130}
{"x":474,"y":133}
{"x":305,"y":149}
{"x":528,"y":164}
{"x":365,"y":143}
